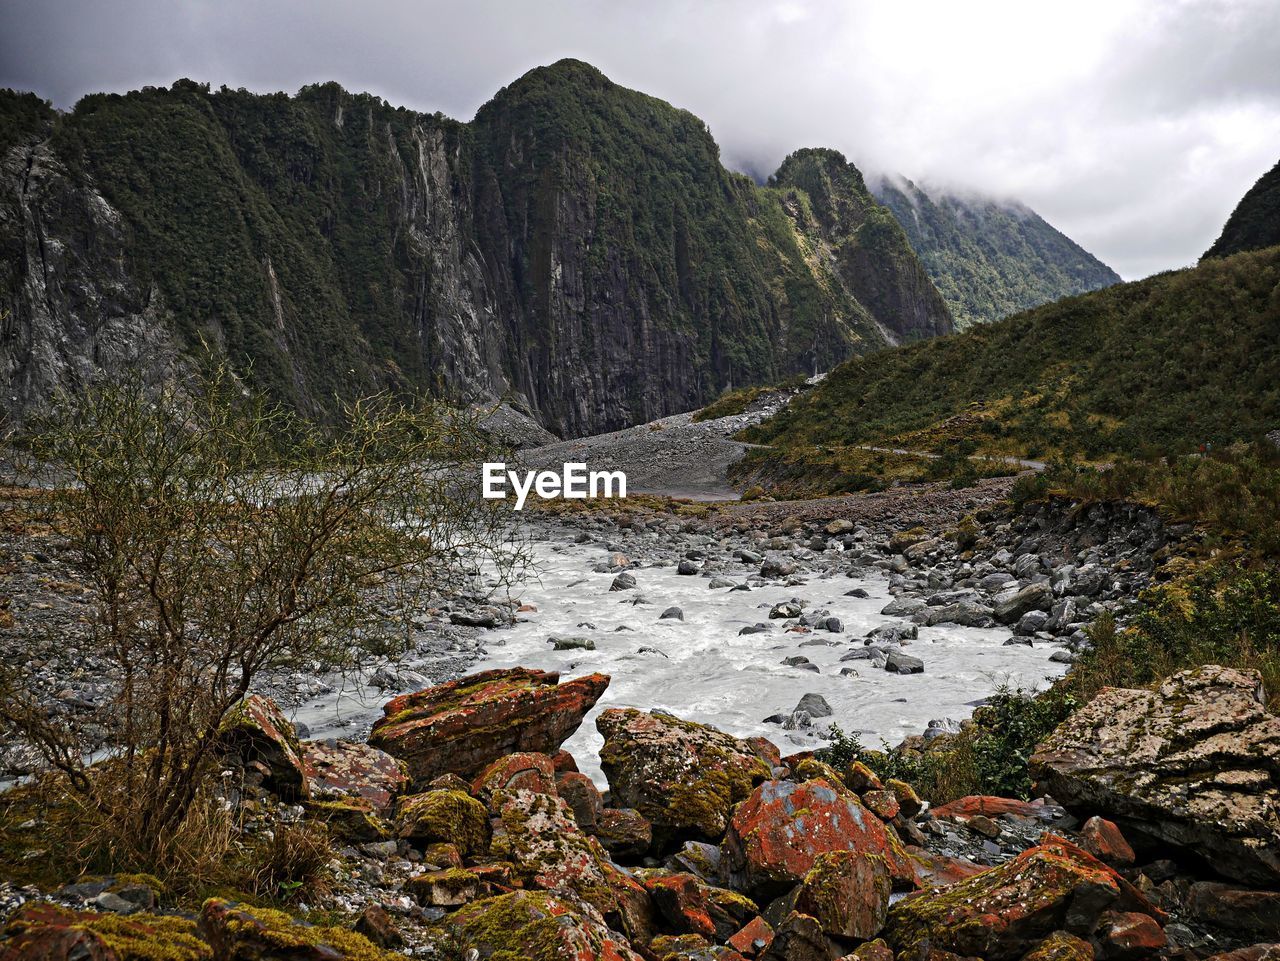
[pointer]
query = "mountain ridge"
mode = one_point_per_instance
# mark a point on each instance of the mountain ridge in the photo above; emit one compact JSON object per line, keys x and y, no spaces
{"x":578,"y":247}
{"x":989,"y":257}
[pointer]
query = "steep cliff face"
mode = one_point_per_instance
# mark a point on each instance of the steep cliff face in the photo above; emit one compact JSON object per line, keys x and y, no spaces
{"x":578,"y":247}
{"x":872,"y":256}
{"x":988,"y":258}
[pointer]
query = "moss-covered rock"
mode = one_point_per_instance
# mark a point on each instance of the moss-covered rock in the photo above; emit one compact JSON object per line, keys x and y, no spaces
{"x":237,"y":932}
{"x":41,"y":930}
{"x":847,"y":893}
{"x":1004,"y":912}
{"x":691,"y":906}
{"x":683,"y":777}
{"x":257,"y":730}
{"x":535,"y":926}
{"x":448,"y":816}
{"x":349,"y":820}
{"x":540,"y":837}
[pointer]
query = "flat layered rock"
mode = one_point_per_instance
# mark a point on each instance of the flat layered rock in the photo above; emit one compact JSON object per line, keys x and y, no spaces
{"x":462,"y":726}
{"x":1195,"y":765}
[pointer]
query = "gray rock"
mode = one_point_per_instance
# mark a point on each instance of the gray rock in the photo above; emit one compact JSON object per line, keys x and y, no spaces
{"x":902,"y":607}
{"x":718,"y":582}
{"x":623,"y":582}
{"x":671,"y":614}
{"x":785,"y":609}
{"x":777,"y":567}
{"x":892,"y":634}
{"x":815,"y":704}
{"x":571,"y":643}
{"x":901,"y":663}
{"x":755,"y":629}
{"x":687,"y":567}
{"x":1034,"y":597}
{"x":1190,"y":766}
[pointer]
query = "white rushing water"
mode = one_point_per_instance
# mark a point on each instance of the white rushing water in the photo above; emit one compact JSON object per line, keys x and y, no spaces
{"x":713,"y":675}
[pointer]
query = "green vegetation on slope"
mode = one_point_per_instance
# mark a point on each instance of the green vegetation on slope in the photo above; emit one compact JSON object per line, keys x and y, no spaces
{"x":1165,"y":364}
{"x":1255,"y":223}
{"x":990,"y":259}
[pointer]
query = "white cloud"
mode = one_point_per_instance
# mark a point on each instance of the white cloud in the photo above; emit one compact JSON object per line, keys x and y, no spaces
{"x":1133,"y":126}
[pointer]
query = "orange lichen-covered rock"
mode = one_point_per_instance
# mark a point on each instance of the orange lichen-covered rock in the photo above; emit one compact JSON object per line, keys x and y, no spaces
{"x":981,"y":804}
{"x":39,"y":931}
{"x":753,"y":939}
{"x":1129,"y":936}
{"x":1004,"y":912}
{"x":691,"y":906}
{"x":1103,"y":839}
{"x":936,"y":870}
{"x":346,"y":771}
{"x":684,"y":778}
{"x":778,"y":833}
{"x":536,"y":926}
{"x":462,"y":726}
{"x":525,"y":770}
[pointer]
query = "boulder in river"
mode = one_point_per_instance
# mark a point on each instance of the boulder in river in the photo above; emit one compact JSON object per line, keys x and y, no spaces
{"x":461,"y":726}
{"x":684,"y":778}
{"x":1193,"y":765}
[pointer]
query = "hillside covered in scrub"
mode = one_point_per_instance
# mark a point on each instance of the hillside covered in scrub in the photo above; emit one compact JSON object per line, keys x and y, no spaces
{"x":1166,"y":364}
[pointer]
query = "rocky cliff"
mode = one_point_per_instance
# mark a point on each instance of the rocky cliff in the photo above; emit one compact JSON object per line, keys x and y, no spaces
{"x":577,"y":248}
{"x":989,"y":258}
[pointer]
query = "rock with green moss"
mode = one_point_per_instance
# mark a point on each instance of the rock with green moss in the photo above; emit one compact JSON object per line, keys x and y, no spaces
{"x":1004,"y":912}
{"x":238,"y":932}
{"x":1195,"y":765}
{"x":444,"y":816}
{"x":1061,"y":946}
{"x":539,"y":836}
{"x":525,"y":769}
{"x":464,"y":725}
{"x":799,"y":937}
{"x":349,"y":820}
{"x":40,"y":930}
{"x":685,"y":778}
{"x":811,"y":769}
{"x":535,"y":926}
{"x":257,"y":730}
{"x":847,"y":893}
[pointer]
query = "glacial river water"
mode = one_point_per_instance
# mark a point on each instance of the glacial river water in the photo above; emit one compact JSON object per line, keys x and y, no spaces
{"x":712,"y":674}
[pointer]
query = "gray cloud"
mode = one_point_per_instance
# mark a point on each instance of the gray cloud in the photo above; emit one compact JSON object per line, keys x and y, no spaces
{"x":1133,"y":126}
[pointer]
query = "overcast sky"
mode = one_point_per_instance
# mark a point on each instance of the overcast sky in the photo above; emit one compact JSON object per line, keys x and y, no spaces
{"x":1132,"y":126}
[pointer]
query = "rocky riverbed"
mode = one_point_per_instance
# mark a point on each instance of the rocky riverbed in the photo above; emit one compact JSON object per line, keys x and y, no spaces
{"x":654,"y":790}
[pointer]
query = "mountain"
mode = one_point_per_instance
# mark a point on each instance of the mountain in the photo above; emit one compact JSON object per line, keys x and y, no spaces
{"x":989,"y":258}
{"x":1161,"y":365}
{"x":1255,"y":223}
{"x":577,"y":248}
